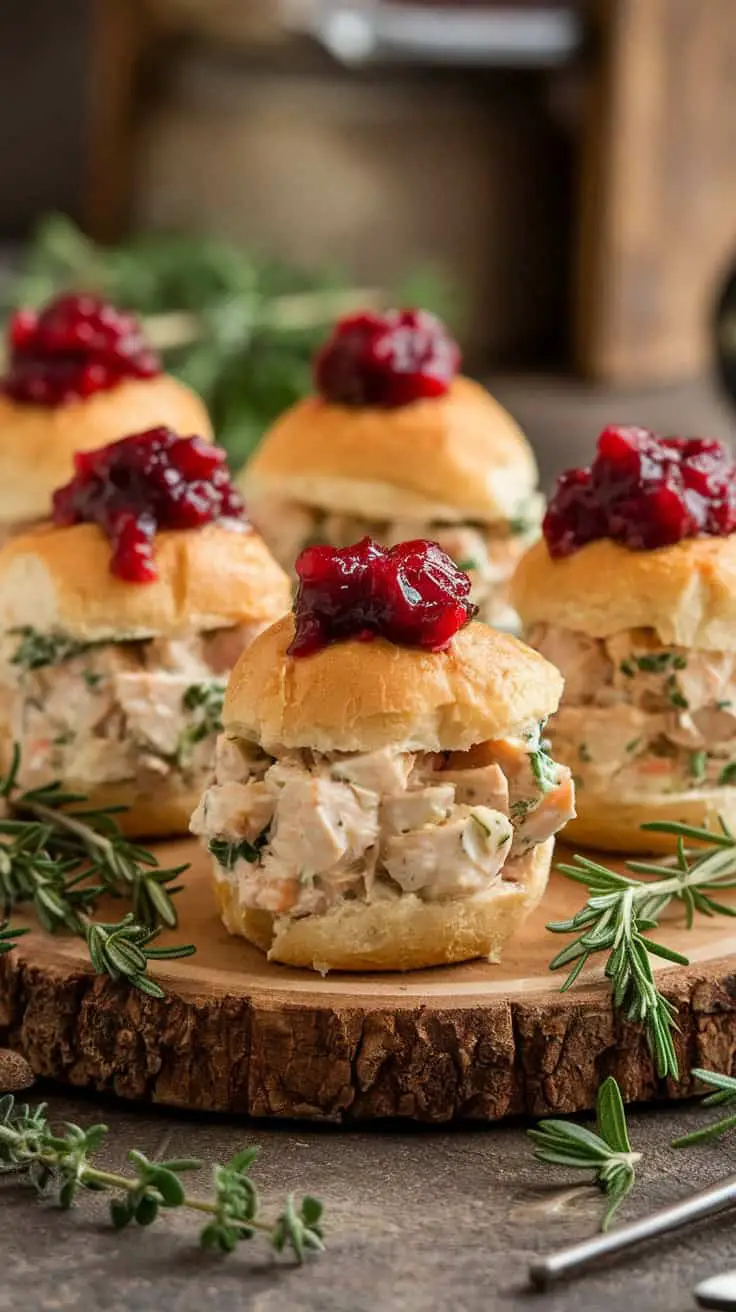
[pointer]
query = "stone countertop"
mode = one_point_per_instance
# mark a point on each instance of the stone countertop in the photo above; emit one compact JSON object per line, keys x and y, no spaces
{"x":416,"y":1221}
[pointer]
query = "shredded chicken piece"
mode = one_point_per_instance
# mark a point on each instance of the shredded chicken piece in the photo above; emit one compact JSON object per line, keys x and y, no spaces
{"x":650,"y":717}
{"x":119,"y":711}
{"x":368,"y":825}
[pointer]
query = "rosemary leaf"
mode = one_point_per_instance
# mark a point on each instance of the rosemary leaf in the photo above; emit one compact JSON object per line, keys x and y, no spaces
{"x":606,"y":1151}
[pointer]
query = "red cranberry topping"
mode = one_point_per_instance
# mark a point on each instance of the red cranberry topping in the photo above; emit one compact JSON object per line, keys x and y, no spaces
{"x":75,"y":346}
{"x":142,"y":483}
{"x":645,"y":492}
{"x":386,"y":359}
{"x":412,"y":594}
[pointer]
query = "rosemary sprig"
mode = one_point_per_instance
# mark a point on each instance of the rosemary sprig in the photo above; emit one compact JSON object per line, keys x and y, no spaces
{"x":607,"y":1153}
{"x":9,"y":936}
{"x":724,"y":1096}
{"x":92,"y":835}
{"x":60,"y":1165}
{"x":60,"y":858}
{"x":620,"y":910}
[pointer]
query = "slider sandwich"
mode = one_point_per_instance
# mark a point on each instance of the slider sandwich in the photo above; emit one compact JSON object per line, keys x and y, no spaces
{"x":383,"y":799}
{"x":79,"y":374}
{"x":121,"y":621}
{"x":632,"y":594}
{"x":397,"y":445}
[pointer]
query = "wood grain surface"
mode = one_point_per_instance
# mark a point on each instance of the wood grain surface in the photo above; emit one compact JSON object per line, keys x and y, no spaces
{"x":472,"y":1042}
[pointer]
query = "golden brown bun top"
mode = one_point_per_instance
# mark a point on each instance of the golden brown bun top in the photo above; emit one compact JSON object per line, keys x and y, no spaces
{"x":37,"y":443}
{"x":59,"y":580}
{"x":358,"y":696}
{"x":458,"y":456}
{"x":686,"y":593}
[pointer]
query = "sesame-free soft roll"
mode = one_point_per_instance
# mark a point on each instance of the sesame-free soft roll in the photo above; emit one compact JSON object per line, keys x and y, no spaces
{"x":632,"y":594}
{"x":121,"y":621}
{"x":382,"y":797}
{"x":397,"y":445}
{"x":79,"y":374}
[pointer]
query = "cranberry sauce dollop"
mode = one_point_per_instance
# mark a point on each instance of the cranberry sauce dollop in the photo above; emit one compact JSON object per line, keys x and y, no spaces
{"x":412,"y":594}
{"x":643,"y":491}
{"x":73,"y":347}
{"x":142,"y":483}
{"x":386,"y":359}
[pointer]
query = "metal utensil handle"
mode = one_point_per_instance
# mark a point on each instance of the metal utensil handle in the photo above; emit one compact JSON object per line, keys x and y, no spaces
{"x":568,"y":1261}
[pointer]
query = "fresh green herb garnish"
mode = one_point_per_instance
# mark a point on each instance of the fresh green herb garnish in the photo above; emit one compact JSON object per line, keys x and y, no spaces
{"x":632,"y":746}
{"x":61,"y":1164}
{"x":226,"y":853}
{"x":205,"y":701}
{"x":520,"y":810}
{"x":723,"y":706}
{"x":467,"y":564}
{"x":620,"y":910}
{"x":607,"y":1153}
{"x":724,"y":1096}
{"x":36,"y":650}
{"x":698,"y":763}
{"x":92,"y":679}
{"x":544,"y":769}
{"x":64,"y":738}
{"x":522,"y":524}
{"x":675,"y":696}
{"x":655,"y":662}
{"x":59,"y":855}
{"x":728,"y":774}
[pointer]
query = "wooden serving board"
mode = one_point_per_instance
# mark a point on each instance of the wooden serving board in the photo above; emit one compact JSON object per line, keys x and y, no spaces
{"x":471,"y":1042}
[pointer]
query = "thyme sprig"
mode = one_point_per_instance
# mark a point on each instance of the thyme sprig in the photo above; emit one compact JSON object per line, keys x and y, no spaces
{"x":60,"y":1165}
{"x":59,"y":857}
{"x":620,"y":910}
{"x":607,"y":1152}
{"x":724,"y":1096}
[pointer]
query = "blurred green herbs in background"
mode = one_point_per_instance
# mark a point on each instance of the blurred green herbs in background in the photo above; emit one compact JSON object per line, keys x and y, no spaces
{"x":239,"y":328}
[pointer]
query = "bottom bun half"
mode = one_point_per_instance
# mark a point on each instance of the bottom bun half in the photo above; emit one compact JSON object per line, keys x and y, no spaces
{"x":405,"y":934}
{"x":614,"y":824}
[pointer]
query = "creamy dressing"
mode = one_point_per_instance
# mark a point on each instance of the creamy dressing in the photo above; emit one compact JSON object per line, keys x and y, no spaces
{"x":299,"y":831}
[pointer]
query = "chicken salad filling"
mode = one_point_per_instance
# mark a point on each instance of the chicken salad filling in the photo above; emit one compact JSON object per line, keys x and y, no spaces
{"x":119,"y":711}
{"x":489,"y":553}
{"x":299,"y":831}
{"x":646,"y":717}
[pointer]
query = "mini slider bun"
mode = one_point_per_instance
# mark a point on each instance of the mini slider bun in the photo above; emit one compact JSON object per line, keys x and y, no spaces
{"x":450,"y":458}
{"x":59,"y":580}
{"x":357,"y":697}
{"x":37,"y":443}
{"x":686,"y":594}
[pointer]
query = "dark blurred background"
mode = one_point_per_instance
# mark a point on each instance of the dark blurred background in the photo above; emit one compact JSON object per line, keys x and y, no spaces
{"x":558,"y":176}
